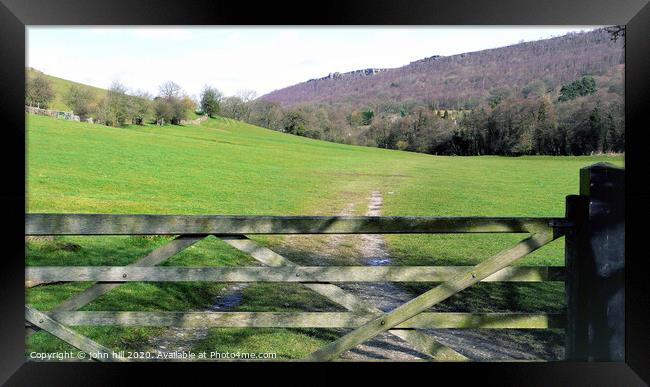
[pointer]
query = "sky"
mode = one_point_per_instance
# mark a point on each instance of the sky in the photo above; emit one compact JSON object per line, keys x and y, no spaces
{"x":258,"y":58}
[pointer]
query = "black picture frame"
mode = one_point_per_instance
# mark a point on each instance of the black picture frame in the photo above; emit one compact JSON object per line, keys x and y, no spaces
{"x":16,"y":14}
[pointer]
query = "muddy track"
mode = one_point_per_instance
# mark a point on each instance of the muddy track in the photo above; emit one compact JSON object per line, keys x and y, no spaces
{"x":475,"y":344}
{"x":183,"y":339}
{"x":383,"y":295}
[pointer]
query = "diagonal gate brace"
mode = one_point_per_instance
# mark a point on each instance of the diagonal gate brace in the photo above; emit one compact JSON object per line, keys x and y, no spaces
{"x":95,"y":350}
{"x":432,"y":297}
{"x":154,"y":258}
{"x":420,"y":340}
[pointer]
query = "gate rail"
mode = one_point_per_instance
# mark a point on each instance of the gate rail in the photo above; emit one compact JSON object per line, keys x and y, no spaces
{"x":593,"y":228}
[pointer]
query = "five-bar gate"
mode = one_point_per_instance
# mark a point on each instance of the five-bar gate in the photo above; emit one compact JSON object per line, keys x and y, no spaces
{"x":593,"y":228}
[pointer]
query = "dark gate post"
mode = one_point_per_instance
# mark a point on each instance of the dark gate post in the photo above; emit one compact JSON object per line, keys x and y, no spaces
{"x":595,"y":263}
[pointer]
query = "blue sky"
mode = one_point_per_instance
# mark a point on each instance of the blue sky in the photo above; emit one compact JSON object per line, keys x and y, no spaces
{"x":258,"y":58}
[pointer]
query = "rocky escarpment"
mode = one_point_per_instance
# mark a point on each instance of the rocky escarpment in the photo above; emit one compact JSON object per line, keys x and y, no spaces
{"x":350,"y":74}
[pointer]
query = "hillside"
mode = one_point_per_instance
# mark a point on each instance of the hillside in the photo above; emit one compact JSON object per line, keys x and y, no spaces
{"x":559,"y":96}
{"x":225,"y":166}
{"x":60,"y":86}
{"x":459,"y":81}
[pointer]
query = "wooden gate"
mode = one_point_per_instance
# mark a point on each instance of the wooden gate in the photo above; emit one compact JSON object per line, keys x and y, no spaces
{"x":593,"y":217}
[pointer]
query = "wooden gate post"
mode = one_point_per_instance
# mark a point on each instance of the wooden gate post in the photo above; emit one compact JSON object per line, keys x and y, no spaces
{"x":595,"y":263}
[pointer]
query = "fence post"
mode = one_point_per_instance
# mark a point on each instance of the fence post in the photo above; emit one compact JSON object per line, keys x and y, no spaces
{"x":595,"y":263}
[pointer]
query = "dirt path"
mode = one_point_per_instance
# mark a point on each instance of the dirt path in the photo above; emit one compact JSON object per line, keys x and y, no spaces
{"x":477,"y":345}
{"x":383,"y":295}
{"x":183,"y":339}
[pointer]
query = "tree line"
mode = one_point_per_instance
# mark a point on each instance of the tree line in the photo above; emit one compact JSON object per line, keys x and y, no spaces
{"x":120,"y":107}
{"x":579,"y":118}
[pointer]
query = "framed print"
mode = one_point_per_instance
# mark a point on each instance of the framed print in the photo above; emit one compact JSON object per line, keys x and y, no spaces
{"x":384,"y":189}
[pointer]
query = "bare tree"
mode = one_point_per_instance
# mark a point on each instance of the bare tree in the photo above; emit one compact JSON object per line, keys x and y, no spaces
{"x":170,"y":89}
{"x":266,"y":114}
{"x":246,"y":95}
{"x":616,"y":32}
{"x":114,"y":108}
{"x":173,"y":105}
{"x":235,"y":107}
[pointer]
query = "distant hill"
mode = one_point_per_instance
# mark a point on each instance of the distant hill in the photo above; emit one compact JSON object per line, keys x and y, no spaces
{"x":558,"y":96}
{"x":460,"y":81}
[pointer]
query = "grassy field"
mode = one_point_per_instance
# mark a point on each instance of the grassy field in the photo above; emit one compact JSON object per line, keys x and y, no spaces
{"x":228,"y":167}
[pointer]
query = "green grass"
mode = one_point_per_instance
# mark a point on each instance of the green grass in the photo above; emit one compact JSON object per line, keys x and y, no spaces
{"x":134,"y":296}
{"x":285,"y":343}
{"x":228,"y":167}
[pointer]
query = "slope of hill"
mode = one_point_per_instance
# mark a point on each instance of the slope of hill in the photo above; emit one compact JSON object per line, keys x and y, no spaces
{"x":460,"y":80}
{"x":225,"y":166}
{"x":60,"y":86}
